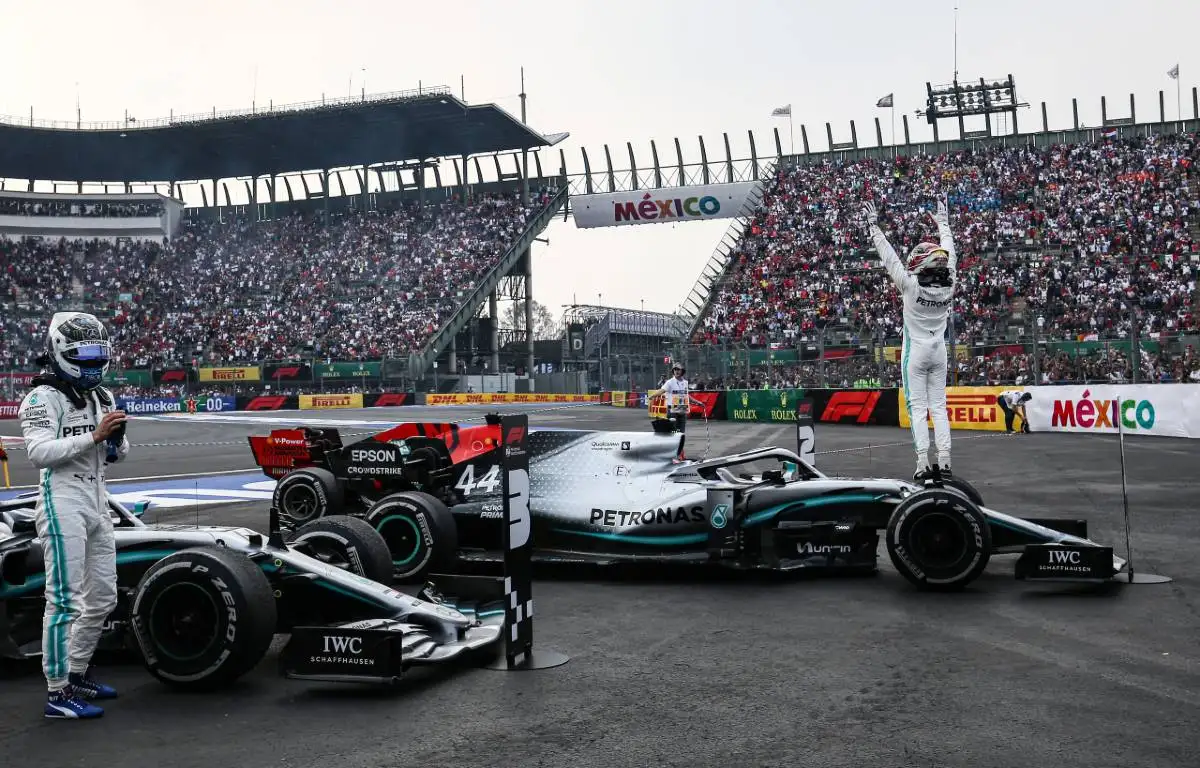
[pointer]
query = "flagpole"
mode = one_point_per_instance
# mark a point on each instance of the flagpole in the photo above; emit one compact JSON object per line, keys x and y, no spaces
{"x":791,"y":134}
{"x":893,"y":126}
{"x":1178,"y":108}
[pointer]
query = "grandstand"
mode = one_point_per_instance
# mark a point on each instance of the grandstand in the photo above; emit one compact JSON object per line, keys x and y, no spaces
{"x":1082,"y":244}
{"x":391,"y":270}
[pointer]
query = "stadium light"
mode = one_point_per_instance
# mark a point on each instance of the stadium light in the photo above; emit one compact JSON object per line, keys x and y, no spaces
{"x":967,"y":99}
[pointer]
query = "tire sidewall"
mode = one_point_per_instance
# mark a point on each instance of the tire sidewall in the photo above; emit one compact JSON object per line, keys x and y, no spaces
{"x":406,"y":515}
{"x":314,"y":485}
{"x":962,"y":486}
{"x":192,"y":571}
{"x":350,"y":534}
{"x":971,"y":525}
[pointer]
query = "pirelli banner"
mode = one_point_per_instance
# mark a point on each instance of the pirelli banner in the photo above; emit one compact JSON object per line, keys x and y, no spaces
{"x":491,"y":398}
{"x":326,"y":402}
{"x":665,"y":206}
{"x":972,"y":408}
{"x":245,"y":373}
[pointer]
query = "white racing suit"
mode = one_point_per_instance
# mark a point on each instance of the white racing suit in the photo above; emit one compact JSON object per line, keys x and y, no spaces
{"x":73,"y":523}
{"x":923,"y":359}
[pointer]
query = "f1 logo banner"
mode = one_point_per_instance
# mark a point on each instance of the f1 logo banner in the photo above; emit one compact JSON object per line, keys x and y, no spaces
{"x":518,"y":540}
{"x":855,"y":405}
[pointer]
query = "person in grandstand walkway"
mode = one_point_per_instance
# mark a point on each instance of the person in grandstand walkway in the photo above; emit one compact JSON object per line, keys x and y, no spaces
{"x":926,"y":284}
{"x":1012,"y":402}
{"x":678,"y":397}
{"x":72,"y":430}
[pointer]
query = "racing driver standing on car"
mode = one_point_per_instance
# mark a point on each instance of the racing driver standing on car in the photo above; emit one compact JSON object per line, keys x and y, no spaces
{"x":926,"y":284}
{"x":72,"y":429}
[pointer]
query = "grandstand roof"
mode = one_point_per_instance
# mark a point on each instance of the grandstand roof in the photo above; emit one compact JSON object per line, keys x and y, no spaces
{"x":330,"y":134}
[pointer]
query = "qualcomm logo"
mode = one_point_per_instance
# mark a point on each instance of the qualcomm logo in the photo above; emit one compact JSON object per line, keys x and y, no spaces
{"x":720,"y":516}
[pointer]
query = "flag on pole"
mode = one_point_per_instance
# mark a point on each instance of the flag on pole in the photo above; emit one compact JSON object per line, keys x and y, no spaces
{"x":782,"y":111}
{"x":1173,"y":72}
{"x":886,"y":101}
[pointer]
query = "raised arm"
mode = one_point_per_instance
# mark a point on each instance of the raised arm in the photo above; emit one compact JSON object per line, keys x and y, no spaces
{"x":942,"y":219}
{"x":905,"y":282}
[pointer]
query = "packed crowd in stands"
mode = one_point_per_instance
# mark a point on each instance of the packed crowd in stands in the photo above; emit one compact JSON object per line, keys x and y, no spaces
{"x":360,"y":287}
{"x":1082,"y":233}
{"x":110,"y":209}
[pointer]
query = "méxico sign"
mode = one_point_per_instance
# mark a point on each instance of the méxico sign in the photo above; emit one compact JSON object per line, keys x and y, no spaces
{"x":1166,"y":410}
{"x":670,"y":205}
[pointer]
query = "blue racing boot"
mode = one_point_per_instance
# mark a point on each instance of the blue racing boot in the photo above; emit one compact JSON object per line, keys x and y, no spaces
{"x":66,"y":704}
{"x":87,"y":688}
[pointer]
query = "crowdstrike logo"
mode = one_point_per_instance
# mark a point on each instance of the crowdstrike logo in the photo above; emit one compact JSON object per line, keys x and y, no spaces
{"x":649,"y":209}
{"x":1088,"y":413}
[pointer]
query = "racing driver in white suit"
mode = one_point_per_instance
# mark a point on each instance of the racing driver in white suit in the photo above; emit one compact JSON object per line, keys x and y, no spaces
{"x":926,"y":284}
{"x":72,"y":430}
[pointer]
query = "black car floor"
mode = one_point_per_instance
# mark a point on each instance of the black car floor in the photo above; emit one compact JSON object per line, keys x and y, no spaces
{"x":695,"y":670}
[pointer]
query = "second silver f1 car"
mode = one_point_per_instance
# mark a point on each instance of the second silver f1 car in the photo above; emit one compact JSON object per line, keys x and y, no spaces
{"x":202,"y":604}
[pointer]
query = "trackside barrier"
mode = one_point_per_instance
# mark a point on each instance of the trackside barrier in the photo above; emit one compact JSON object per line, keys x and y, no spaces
{"x":973,"y":408}
{"x":492,"y":398}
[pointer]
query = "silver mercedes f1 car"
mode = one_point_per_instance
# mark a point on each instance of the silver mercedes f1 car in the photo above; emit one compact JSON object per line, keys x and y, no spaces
{"x":202,"y":604}
{"x":433,"y":491}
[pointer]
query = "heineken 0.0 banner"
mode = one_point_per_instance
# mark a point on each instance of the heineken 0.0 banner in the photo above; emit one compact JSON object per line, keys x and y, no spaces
{"x":762,"y":404}
{"x":348,"y":370}
{"x":214,"y":403}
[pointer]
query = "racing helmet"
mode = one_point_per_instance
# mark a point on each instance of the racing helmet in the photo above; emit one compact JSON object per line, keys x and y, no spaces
{"x":77,"y":349}
{"x":927,"y":256}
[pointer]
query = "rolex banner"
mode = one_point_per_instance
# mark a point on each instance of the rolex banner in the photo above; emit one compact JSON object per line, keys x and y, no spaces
{"x":349,"y":370}
{"x":762,"y":404}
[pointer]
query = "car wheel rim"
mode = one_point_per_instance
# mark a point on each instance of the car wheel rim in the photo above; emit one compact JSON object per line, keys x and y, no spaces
{"x":938,"y":540}
{"x":299,"y":503}
{"x":403,"y":538}
{"x":185,"y":626}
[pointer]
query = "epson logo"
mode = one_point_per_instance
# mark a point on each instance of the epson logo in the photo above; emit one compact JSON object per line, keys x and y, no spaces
{"x":342,"y":644}
{"x":380,"y":455}
{"x":808,"y":548}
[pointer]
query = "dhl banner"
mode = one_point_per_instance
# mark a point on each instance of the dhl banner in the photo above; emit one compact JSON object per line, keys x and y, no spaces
{"x":322,"y":402}
{"x":229,"y":374}
{"x":968,"y":408}
{"x":625,"y":399}
{"x":489,"y":398}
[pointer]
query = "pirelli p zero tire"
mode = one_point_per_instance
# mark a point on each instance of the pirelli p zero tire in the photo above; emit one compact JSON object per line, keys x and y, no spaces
{"x":939,"y":540}
{"x":956,"y":482}
{"x":420,"y":532}
{"x":203,"y":617}
{"x":304,"y":495}
{"x":348,"y":543}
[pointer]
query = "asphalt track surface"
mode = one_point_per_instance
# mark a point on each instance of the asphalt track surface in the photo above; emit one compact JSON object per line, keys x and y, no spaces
{"x":674,"y":670}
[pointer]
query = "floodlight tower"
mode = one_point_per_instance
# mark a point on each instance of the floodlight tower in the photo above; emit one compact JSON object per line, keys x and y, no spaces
{"x":986,"y":97}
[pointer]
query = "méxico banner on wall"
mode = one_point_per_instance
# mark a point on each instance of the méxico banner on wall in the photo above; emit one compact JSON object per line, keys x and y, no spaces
{"x":968,"y":408}
{"x":1166,"y":410}
{"x":243,"y":373}
{"x":670,"y":205}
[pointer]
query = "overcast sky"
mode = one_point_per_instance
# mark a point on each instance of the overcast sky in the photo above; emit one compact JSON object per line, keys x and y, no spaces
{"x":607,"y":72}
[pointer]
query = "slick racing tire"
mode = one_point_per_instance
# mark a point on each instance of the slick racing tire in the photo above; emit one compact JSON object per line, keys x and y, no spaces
{"x":305,"y":495}
{"x":420,"y":532}
{"x":203,"y":618}
{"x":347,"y":543}
{"x":939,"y":540}
{"x":957,"y":483}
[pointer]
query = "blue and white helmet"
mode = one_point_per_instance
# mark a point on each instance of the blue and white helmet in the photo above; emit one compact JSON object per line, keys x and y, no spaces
{"x":78,"y":349}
